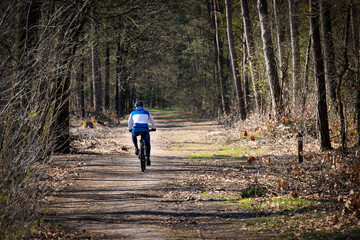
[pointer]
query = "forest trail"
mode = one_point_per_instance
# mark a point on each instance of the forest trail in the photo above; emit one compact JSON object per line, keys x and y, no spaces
{"x":110,"y":195}
{"x":205,"y":182}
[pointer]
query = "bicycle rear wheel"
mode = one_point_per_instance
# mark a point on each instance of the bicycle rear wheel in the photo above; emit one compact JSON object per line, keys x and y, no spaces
{"x":142,"y":156}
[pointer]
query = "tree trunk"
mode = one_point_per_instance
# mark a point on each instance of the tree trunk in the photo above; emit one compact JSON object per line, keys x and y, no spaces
{"x":95,"y":67}
{"x":295,"y":51}
{"x":319,"y":76}
{"x":246,"y":77}
{"x":82,"y":90}
{"x":270,"y":57}
{"x":28,"y":17}
{"x":107,"y":76}
{"x":329,"y":50}
{"x":251,"y":53}
{"x":219,"y":58}
{"x":234,"y":64}
{"x":60,"y":127}
{"x":306,"y":77}
{"x":280,"y":20}
{"x":117,"y":91}
{"x":344,"y":70}
{"x":61,"y":115}
{"x":356,"y":42}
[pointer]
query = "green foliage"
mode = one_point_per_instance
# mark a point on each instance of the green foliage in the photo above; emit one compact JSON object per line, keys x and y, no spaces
{"x":242,"y":203}
{"x":3,"y":197}
{"x":46,"y":211}
{"x":347,"y":234}
{"x":269,"y":222}
{"x":290,"y":203}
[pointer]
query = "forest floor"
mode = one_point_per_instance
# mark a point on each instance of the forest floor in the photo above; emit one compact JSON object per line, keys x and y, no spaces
{"x":205,"y":182}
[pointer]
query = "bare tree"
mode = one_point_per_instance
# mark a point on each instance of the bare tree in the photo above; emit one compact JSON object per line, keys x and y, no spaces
{"x":251,"y":52}
{"x":117,"y":80}
{"x":234,"y":64}
{"x":270,"y":61}
{"x":97,"y":88}
{"x":81,"y":80}
{"x":295,"y":50}
{"x":344,"y":70}
{"x":35,"y":104}
{"x":356,"y":44}
{"x":319,"y":75}
{"x":329,"y":50}
{"x":107,"y":76}
{"x":219,"y":56}
{"x":280,"y":15}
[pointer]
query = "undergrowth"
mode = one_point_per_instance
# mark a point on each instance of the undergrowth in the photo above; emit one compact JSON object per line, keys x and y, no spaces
{"x":261,"y":172}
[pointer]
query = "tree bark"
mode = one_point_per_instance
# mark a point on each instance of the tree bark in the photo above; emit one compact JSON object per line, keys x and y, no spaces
{"x":295,"y":51}
{"x":28,"y":17}
{"x":61,"y":115}
{"x":118,"y":110}
{"x":60,"y":127}
{"x":306,"y":77}
{"x":107,"y":77}
{"x":329,"y":50}
{"x":82,"y":90}
{"x":319,"y":75}
{"x":246,"y":77}
{"x":270,"y":57}
{"x":96,"y":66}
{"x":219,"y":57}
{"x":356,"y":42}
{"x":344,"y":70}
{"x":251,"y":53}
{"x":280,"y":20}
{"x":234,"y":64}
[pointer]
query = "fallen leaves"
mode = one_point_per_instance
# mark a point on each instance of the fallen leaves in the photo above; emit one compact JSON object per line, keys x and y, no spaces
{"x":298,"y":171}
{"x":294,"y":194}
{"x":281,"y":184}
{"x":251,"y":160}
{"x":266,"y":159}
{"x":88,"y":124}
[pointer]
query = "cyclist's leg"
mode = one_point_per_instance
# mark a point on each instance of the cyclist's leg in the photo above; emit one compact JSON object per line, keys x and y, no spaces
{"x":134,"y":139}
{"x":147,"y":145}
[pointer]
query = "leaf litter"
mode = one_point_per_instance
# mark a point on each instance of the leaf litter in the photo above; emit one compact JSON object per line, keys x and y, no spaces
{"x":262,"y":192}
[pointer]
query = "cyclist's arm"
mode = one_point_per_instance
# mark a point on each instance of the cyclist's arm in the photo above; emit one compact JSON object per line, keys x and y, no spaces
{"x":130,"y":122}
{"x":152,"y":121}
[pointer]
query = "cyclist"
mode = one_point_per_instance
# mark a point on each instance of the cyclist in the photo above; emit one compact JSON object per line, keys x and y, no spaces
{"x":138,"y":122}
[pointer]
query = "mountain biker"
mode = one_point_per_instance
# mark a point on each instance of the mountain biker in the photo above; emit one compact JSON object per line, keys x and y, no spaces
{"x":138,"y":122}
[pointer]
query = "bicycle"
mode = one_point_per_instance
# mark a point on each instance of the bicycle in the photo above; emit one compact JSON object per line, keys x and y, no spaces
{"x":142,"y":149}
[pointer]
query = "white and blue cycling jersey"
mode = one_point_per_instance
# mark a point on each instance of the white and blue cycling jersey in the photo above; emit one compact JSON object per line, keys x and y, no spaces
{"x":138,"y":120}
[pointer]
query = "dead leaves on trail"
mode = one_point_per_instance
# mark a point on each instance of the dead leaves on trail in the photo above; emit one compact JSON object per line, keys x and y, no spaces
{"x":97,"y":136}
{"x":250,"y":160}
{"x":320,"y":179}
{"x":281,"y":184}
{"x":266,"y":159}
{"x":297,"y":171}
{"x":104,"y":146}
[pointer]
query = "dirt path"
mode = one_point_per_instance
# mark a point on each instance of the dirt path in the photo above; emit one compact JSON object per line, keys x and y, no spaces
{"x":200,"y":185}
{"x":110,"y":195}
